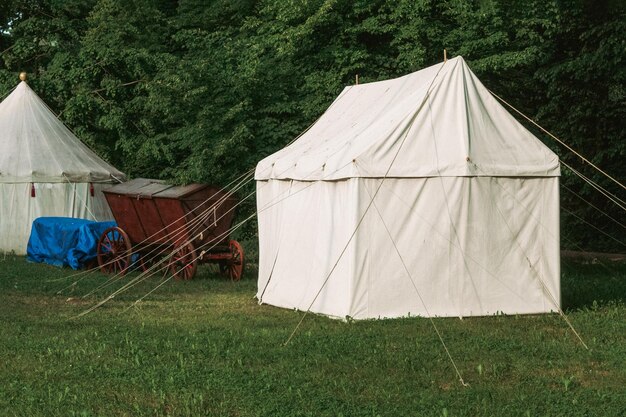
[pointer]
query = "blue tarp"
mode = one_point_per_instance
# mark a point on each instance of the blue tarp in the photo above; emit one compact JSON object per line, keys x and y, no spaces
{"x":65,"y":241}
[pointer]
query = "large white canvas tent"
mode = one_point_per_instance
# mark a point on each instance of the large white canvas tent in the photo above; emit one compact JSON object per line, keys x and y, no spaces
{"x":45,"y":170}
{"x":418,"y":195}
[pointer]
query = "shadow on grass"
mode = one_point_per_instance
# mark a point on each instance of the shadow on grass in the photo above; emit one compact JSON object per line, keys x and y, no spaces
{"x":584,"y":285}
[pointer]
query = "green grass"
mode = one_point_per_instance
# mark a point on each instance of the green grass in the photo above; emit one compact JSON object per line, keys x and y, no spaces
{"x":206,"y":348}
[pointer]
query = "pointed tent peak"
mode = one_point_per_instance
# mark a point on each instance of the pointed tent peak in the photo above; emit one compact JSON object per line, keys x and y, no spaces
{"x":444,"y":121}
{"x":461,"y":62}
{"x":23,"y":76}
{"x":454,"y":62}
{"x":23,"y":86}
{"x":20,"y":90}
{"x":422,"y":76}
{"x":24,"y":98}
{"x":35,"y":146}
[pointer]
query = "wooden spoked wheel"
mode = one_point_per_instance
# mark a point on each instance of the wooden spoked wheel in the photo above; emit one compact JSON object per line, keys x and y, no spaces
{"x":114,"y":251}
{"x":183,"y":263}
{"x":233,"y":267}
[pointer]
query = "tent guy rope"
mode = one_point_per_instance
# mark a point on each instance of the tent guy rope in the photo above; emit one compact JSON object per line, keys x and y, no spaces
{"x":146,"y":275}
{"x":595,"y":227}
{"x":545,"y":288}
{"x":620,"y":203}
{"x":617,"y":222}
{"x":559,"y":141}
{"x":143,"y":276}
{"x":362,"y":217}
{"x":76,"y":194}
{"x":242,"y":182}
{"x":165,"y":253}
{"x":419,"y":295}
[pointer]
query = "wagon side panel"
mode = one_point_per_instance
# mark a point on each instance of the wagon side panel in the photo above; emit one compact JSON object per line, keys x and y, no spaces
{"x":215,"y":211}
{"x":173,"y":216}
{"x":126,"y":216}
{"x":153,"y":226}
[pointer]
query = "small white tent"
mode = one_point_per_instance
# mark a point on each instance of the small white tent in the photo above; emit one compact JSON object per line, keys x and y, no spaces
{"x":44,"y":170}
{"x":420,"y":196}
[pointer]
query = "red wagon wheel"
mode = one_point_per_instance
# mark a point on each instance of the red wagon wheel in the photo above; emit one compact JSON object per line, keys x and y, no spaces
{"x":114,"y":251}
{"x":183,"y":262}
{"x":233,"y":268}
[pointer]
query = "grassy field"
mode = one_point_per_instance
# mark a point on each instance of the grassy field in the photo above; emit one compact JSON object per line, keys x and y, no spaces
{"x":206,"y":348}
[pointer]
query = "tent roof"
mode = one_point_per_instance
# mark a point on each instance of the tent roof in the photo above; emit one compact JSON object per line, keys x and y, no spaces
{"x":35,"y":146}
{"x":440,"y":121}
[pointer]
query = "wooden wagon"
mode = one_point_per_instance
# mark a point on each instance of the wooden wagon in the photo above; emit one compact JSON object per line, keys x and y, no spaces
{"x":174,"y":226}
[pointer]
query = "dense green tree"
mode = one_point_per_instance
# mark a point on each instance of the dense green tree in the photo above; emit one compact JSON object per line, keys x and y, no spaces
{"x":196,"y":90}
{"x":585,"y":105}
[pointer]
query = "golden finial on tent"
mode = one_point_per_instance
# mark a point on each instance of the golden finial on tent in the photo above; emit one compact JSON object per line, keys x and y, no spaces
{"x":23,"y":76}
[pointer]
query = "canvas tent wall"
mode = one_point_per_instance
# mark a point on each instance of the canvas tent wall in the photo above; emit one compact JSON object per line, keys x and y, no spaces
{"x":45,"y":170}
{"x":414,"y":196}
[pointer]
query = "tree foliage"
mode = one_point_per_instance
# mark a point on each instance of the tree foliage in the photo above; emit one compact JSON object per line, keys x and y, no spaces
{"x":200,"y":90}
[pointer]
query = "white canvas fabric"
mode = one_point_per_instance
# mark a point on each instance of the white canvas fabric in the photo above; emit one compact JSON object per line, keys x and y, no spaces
{"x":466,"y":224}
{"x":35,"y":146}
{"x":459,"y":131}
{"x":18,"y":209}
{"x":38,"y":151}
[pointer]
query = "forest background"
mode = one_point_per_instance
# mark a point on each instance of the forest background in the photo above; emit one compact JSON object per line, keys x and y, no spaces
{"x":201,"y":90}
